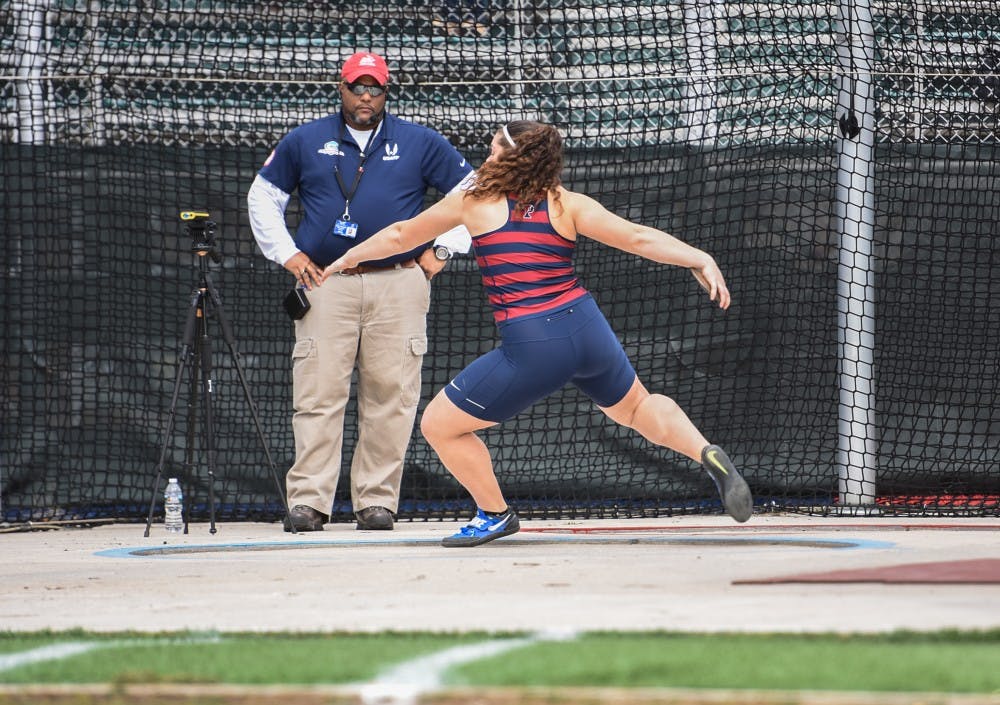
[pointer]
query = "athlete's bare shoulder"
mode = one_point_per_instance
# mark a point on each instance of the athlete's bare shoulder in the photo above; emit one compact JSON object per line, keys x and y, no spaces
{"x":576,"y":200}
{"x":561,"y":209}
{"x":481,"y":216}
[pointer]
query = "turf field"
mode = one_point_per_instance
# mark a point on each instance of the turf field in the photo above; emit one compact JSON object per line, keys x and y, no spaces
{"x":944,"y":661}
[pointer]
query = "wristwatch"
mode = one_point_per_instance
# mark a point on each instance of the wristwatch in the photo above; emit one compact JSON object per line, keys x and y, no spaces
{"x":442,"y":253}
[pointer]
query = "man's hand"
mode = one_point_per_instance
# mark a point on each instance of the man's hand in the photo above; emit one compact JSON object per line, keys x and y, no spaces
{"x":304,"y":271}
{"x":431,"y":265}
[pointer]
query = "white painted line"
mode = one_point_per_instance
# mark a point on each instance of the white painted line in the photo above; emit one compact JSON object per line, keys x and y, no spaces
{"x":53,"y":652}
{"x":405,"y":683}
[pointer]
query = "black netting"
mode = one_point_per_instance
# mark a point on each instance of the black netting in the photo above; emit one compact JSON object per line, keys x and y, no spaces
{"x":857,"y":367}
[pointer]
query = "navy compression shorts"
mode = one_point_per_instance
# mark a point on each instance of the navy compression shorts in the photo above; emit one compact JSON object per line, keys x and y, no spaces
{"x":538,"y":356}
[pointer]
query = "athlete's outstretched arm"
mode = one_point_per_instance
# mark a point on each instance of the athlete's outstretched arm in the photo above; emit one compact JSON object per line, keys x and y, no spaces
{"x":404,"y":235}
{"x":595,"y":221}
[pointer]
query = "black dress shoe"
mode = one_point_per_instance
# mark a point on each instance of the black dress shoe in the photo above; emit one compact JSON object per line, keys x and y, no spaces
{"x":305,"y":519}
{"x":374,"y":518}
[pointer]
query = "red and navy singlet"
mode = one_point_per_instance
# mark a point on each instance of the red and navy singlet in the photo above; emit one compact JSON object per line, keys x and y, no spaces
{"x":527,"y":266}
{"x":551,"y":329}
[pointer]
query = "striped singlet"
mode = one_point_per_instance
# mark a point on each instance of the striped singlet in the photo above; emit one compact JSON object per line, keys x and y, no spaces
{"x":527,"y":267}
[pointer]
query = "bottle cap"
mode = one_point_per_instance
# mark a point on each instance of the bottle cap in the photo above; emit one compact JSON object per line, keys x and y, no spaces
{"x":172,"y":479}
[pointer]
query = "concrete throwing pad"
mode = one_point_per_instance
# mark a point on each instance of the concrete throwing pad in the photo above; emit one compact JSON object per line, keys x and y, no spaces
{"x":985,"y":571}
{"x":692,"y":573}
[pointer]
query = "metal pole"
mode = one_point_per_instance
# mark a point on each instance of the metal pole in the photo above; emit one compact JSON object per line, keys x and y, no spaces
{"x":857,"y":431}
{"x":30,"y":96}
{"x":699,"y":96}
{"x":516,"y":52}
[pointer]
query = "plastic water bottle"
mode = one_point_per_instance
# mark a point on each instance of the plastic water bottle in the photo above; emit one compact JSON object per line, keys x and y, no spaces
{"x":173,"y":507}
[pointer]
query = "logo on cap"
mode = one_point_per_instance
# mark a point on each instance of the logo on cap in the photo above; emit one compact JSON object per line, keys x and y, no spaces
{"x":365,"y":63}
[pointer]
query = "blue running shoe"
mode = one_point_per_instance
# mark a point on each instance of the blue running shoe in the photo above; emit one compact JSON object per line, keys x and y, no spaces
{"x":484,"y":527}
{"x":733,"y":489}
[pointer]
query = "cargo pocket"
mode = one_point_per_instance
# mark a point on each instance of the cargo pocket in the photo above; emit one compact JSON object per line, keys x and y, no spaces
{"x":413,"y":358}
{"x":305,"y":368}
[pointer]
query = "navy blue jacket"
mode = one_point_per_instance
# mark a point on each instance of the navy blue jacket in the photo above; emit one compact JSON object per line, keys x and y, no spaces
{"x":404,"y":161}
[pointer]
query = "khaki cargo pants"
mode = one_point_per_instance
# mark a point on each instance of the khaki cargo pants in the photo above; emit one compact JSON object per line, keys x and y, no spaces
{"x":376,"y":322}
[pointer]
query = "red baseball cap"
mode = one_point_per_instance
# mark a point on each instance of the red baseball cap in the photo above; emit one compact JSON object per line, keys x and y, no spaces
{"x":365,"y":63}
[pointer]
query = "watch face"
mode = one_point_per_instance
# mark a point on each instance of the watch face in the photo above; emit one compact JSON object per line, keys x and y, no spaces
{"x":442,"y":252}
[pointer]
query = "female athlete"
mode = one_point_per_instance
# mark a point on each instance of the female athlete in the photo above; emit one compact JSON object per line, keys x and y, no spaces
{"x":525,"y":225}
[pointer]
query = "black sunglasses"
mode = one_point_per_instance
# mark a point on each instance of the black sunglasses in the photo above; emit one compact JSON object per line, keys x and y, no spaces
{"x":359,"y":89}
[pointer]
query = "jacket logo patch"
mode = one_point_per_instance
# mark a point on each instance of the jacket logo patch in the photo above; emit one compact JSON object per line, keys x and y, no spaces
{"x":391,"y":153}
{"x":331,"y":148}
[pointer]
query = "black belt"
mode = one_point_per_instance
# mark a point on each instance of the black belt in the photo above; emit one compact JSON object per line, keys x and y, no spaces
{"x":368,"y":269}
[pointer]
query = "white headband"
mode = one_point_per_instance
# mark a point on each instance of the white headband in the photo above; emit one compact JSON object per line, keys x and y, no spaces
{"x":506,"y":133}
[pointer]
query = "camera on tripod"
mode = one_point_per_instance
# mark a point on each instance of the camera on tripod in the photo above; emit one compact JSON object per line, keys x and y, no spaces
{"x":201,"y":230}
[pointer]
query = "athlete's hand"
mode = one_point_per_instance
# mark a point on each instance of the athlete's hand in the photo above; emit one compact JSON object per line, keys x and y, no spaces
{"x":303,"y":269}
{"x":340,"y":264}
{"x":710,"y":277}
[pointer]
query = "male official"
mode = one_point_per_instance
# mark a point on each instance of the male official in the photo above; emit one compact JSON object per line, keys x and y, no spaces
{"x":354,"y":172}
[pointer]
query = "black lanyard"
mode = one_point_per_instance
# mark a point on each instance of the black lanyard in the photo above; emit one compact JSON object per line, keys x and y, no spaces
{"x":348,"y":195}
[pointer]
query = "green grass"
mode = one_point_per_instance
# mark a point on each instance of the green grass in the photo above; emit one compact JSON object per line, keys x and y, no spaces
{"x":231,"y":658}
{"x":948,"y":661}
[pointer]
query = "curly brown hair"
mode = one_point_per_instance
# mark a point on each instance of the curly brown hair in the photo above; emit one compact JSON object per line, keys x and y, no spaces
{"x":528,"y":171}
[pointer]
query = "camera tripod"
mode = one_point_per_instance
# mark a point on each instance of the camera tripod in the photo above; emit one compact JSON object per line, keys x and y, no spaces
{"x":196,"y":359}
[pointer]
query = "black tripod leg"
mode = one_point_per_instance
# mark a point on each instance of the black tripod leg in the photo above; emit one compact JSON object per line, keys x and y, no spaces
{"x":207,"y":391}
{"x":186,"y":359}
{"x":227,"y":335}
{"x":194,"y":391}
